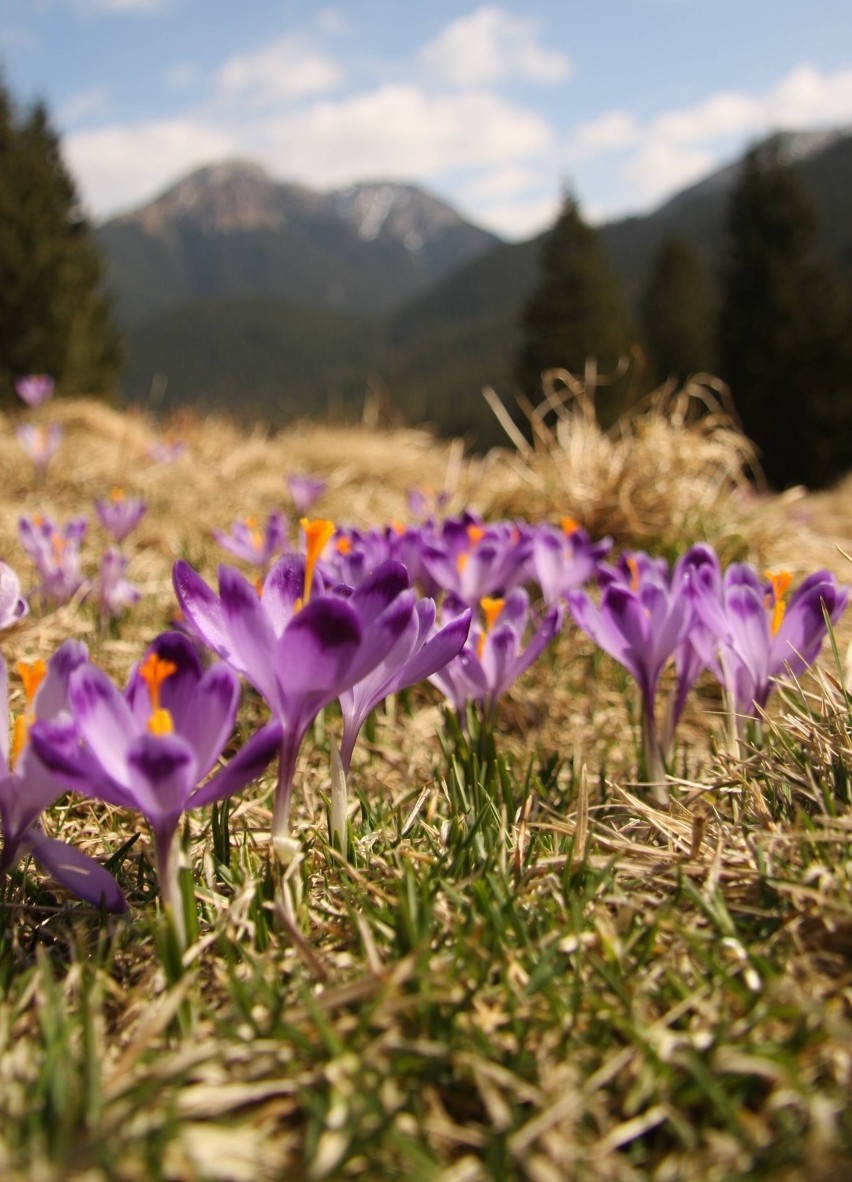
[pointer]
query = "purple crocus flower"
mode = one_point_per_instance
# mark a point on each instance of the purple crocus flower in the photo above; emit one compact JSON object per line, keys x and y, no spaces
{"x":151,"y":747}
{"x":120,"y":514}
{"x":640,"y":623}
{"x":35,"y":388}
{"x":753,"y":635}
{"x":115,"y":594}
{"x":299,"y":645}
{"x":495,"y":654}
{"x":13,"y":606}
{"x":254,"y":545}
{"x":27,"y":787}
{"x":564,"y":558}
{"x":166,"y":451}
{"x":305,"y":491}
{"x":55,"y":550}
{"x":421,"y":651}
{"x":474,"y":561}
{"x":40,"y":443}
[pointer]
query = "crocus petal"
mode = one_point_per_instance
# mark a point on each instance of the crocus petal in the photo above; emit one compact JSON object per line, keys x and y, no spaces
{"x":76,"y":872}
{"x":315,"y":655}
{"x":247,"y":765}
{"x":283,"y":587}
{"x":4,"y":714}
{"x":201,"y":608}
{"x":250,"y":632}
{"x":103,"y":717}
{"x":162,"y":773}
{"x":52,"y":695}
{"x":57,"y":745}
{"x":209,"y":716}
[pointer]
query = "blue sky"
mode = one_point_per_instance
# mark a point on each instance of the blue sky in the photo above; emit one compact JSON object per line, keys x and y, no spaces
{"x":493,"y":106}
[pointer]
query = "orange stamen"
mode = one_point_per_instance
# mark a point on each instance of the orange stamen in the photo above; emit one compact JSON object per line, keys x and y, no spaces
{"x":154,"y":670}
{"x":491,"y":609}
{"x":569,"y":526}
{"x":31,"y":674}
{"x":398,"y":527}
{"x":633,"y":567}
{"x":343,"y":546}
{"x":476,"y":533}
{"x":318,"y":534}
{"x":780,"y":582}
{"x":116,"y":495}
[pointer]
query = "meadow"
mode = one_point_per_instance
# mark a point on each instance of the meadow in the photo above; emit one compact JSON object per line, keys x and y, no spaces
{"x":523,"y":961}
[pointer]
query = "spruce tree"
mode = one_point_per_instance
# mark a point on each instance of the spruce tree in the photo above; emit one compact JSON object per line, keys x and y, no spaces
{"x":678,"y":313}
{"x":54,"y":316}
{"x":785,"y":327}
{"x":576,"y":310}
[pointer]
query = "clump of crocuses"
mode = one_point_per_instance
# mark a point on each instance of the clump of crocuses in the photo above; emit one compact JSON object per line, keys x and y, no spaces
{"x":151,"y":747}
{"x":28,"y":787}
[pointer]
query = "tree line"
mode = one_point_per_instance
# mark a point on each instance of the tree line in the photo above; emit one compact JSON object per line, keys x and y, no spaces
{"x":775,"y":323}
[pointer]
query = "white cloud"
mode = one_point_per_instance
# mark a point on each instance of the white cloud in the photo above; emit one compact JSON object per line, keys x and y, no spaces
{"x":678,"y":147}
{"x":123,"y":166}
{"x":488,"y":46}
{"x":502,"y":182}
{"x":519,"y":219}
{"x":286,"y":69}
{"x":394,"y":131}
{"x":80,"y":106}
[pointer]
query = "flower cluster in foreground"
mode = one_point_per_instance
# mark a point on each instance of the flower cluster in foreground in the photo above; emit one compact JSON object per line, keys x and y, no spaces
{"x":354,"y":616}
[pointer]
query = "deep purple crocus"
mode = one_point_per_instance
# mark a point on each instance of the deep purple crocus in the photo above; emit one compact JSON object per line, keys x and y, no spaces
{"x":753,"y":635}
{"x":298,"y":644}
{"x":13,"y":606}
{"x":152,"y":747}
{"x":497,"y":651}
{"x":474,"y":560}
{"x":28,"y":787}
{"x":34,"y":388}
{"x":120,"y":514}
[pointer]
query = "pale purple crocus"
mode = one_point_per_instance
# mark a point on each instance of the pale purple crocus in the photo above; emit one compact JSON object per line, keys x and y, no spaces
{"x":305,"y":491}
{"x":28,"y":787}
{"x":40,"y":443}
{"x":564,"y":557}
{"x":498,"y":650}
{"x":35,"y":388}
{"x":299,"y":645}
{"x":166,"y":451}
{"x":13,"y":606}
{"x":421,"y":650}
{"x":114,"y":593}
{"x":755,"y":636}
{"x":251,"y":543}
{"x":640,"y":623}
{"x":152,"y":747}
{"x":55,"y":550}
{"x":120,"y":514}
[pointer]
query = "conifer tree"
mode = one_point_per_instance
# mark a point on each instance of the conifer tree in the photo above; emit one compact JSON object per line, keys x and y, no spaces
{"x":678,"y":313}
{"x":576,"y":310}
{"x":785,"y":327}
{"x":54,"y":317}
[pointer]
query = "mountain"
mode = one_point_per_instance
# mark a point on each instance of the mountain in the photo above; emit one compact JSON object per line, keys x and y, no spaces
{"x":264,"y":297}
{"x":231,"y":230}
